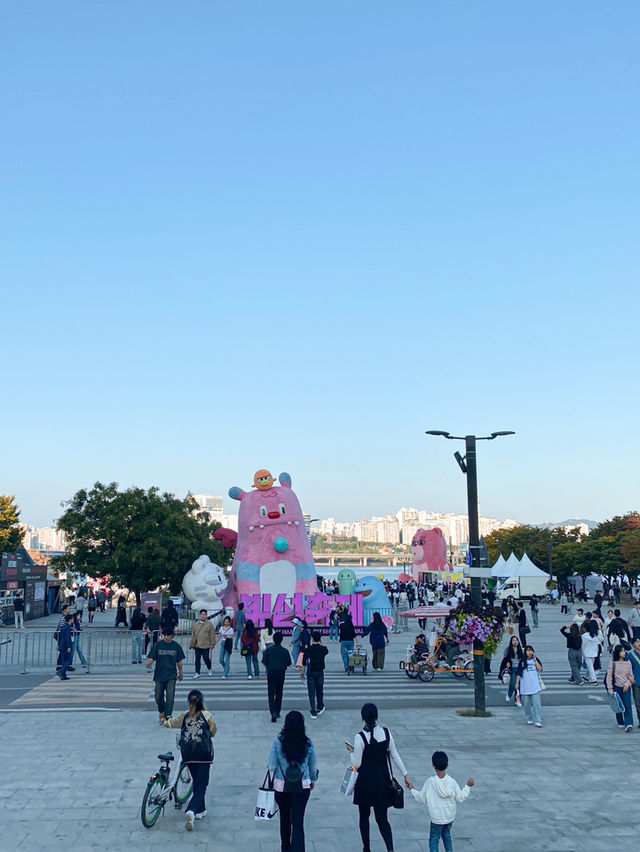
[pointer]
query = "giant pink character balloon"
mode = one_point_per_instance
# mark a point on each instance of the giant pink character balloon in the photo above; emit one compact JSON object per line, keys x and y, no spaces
{"x":273,"y":555}
{"x":429,"y":551}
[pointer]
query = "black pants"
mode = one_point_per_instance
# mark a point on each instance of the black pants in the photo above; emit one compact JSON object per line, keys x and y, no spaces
{"x":523,"y":639}
{"x":275,"y":685}
{"x":292,"y":807}
{"x":121,"y":617}
{"x":383,"y":826}
{"x":200,"y":774}
{"x":202,"y":654}
{"x":315,"y":688}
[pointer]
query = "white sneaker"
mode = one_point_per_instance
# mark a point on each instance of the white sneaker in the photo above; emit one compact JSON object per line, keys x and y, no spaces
{"x":320,"y":712}
{"x":248,"y":677}
{"x":203,"y":814}
{"x":507,"y":697}
{"x":188,"y":820}
{"x":538,"y":724}
{"x":529,"y":723}
{"x":210,"y":672}
{"x":196,"y":676}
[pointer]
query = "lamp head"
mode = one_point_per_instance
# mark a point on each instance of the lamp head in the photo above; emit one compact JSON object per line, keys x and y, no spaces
{"x":438,"y":432}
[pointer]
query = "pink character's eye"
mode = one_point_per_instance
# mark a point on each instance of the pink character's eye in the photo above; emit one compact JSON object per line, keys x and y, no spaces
{"x":282,"y":509}
{"x":263,"y":511}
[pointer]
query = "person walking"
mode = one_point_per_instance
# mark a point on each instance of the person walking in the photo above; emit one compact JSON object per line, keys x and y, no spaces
{"x":81,"y":603}
{"x":523,"y":627}
{"x":333,"y":625}
{"x":530,"y":686}
{"x":101,"y":599}
{"x":170,"y":618}
{"x":250,"y":641}
{"x":590,"y":643}
{"x":295,"y":767}
{"x":314,"y":658}
{"x":136,"y":627}
{"x":513,"y":655}
{"x":203,"y":638}
{"x":618,"y":630}
{"x":65,"y":647}
{"x":564,"y":604}
{"x":266,"y":635}
{"x":76,"y":632}
{"x":295,"y":639}
{"x":571,"y":633}
{"x":440,"y":794}
{"x":620,"y":679}
{"x":241,"y":620}
{"x":373,"y":750}
{"x":379,"y":638}
{"x":347,"y":639}
{"x":633,"y":621}
{"x":168,"y":656}
{"x":276,"y":660}
{"x":151,"y":628}
{"x":225,"y":639}
{"x":92,"y":606}
{"x":634,"y":658}
{"x":121,"y":612}
{"x":534,"y":604}
{"x":197,"y":729}
{"x":18,"y":611}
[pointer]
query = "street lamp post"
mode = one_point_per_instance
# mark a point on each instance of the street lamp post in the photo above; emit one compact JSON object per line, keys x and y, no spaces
{"x":468,"y":467}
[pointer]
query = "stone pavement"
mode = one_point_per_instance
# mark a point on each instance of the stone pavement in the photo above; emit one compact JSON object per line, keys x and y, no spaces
{"x":77,"y":779}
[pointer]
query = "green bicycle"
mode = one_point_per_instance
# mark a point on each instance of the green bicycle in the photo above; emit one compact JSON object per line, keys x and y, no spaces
{"x":162,"y":788}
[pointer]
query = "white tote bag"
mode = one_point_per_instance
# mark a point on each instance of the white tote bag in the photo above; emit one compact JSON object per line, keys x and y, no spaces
{"x":266,"y":807}
{"x":348,"y":781}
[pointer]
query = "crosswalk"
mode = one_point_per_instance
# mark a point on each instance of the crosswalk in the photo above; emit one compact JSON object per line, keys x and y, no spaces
{"x":390,"y":687}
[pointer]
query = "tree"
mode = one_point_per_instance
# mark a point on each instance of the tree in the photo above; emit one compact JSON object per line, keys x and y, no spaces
{"x":10,"y":534}
{"x":143,"y":539}
{"x":617,"y":524}
{"x":630,"y":549}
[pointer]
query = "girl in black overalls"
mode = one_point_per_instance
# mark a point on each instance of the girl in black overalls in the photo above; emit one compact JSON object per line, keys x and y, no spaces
{"x":371,"y":789}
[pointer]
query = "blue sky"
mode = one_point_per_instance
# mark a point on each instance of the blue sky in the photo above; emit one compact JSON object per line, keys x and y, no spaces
{"x":296,"y":236}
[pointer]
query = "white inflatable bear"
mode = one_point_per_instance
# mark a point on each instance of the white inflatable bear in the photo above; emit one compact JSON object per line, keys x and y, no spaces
{"x":203,"y":585}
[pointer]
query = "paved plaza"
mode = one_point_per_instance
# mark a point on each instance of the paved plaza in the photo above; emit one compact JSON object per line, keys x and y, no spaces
{"x":75,"y":776}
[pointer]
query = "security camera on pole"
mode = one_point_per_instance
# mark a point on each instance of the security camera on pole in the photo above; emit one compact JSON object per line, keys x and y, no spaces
{"x":467,"y":464}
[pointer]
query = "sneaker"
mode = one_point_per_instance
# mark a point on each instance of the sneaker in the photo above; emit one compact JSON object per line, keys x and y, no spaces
{"x":210,"y":673}
{"x":594,"y":683}
{"x":507,"y":697}
{"x":224,"y":677}
{"x":519,"y":703}
{"x":571,"y":680}
{"x":274,"y":719}
{"x":188,"y":820}
{"x":321,"y":711}
{"x":196,"y":676}
{"x":314,"y":715}
{"x":200,"y":816}
{"x":529,"y":723}
{"x":248,"y":677}
{"x":628,"y":729}
{"x":71,"y":669}
{"x":538,"y":724}
{"x":621,"y":726}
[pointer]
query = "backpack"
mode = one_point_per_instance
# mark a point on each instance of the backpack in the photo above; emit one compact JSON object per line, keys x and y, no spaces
{"x":293,"y":777}
{"x":195,"y":741}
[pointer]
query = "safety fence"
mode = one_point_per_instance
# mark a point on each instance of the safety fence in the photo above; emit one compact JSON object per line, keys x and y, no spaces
{"x":24,"y":650}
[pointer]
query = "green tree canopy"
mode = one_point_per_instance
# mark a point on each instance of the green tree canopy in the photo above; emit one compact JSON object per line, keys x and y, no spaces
{"x":617,"y":524}
{"x":10,"y":534}
{"x":142,"y":539}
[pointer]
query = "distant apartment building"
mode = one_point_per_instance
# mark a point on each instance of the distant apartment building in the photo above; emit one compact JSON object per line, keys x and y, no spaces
{"x":44,"y":538}
{"x":211,"y":504}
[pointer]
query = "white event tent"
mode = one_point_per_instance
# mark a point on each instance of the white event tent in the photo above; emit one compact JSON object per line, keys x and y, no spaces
{"x":511,"y":566}
{"x":499,"y":569}
{"x":526,"y":568}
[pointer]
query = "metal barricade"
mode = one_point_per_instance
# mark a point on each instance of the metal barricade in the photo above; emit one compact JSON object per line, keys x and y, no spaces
{"x":114,"y":647}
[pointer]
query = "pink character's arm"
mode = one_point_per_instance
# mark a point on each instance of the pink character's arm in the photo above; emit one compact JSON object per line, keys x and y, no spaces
{"x":236,"y":493}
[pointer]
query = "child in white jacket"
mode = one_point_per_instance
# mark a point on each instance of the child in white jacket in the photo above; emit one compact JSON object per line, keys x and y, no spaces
{"x":440,"y":793}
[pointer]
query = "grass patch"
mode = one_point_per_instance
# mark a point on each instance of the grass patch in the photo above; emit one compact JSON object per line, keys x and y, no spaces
{"x":482,"y":713}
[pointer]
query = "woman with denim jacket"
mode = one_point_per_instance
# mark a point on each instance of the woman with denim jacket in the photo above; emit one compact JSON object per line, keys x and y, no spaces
{"x":293,"y":762}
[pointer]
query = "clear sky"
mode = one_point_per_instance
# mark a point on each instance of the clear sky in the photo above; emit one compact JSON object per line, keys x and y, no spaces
{"x":296,"y":235}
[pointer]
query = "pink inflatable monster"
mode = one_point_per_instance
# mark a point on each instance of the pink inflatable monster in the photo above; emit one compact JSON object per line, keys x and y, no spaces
{"x":273,"y":555}
{"x":429,"y":551}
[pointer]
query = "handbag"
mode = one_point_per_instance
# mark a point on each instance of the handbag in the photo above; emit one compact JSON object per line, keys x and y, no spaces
{"x":228,"y":646}
{"x":542,"y":683}
{"x":615,"y":702}
{"x":348,"y":781}
{"x":396,"y":793}
{"x":266,"y":807}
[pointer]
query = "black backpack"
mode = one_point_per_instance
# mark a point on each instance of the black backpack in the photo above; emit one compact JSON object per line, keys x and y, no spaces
{"x":196,"y":745}
{"x":293,"y":777}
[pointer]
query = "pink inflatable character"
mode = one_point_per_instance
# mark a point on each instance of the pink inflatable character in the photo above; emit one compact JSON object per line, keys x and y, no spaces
{"x":273,"y":555}
{"x":429,"y":551}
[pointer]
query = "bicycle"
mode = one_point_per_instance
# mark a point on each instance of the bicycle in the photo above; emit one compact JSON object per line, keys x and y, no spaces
{"x":161,"y":788}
